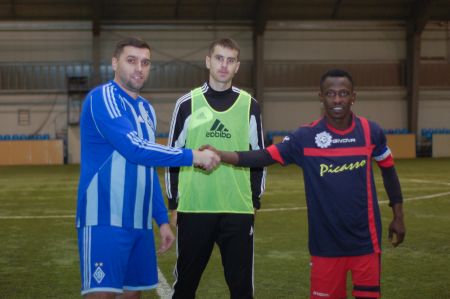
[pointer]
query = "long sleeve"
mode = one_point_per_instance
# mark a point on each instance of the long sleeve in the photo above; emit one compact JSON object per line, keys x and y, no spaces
{"x":256,"y":134}
{"x":177,"y":139}
{"x":159,"y":210}
{"x":108,"y":115}
{"x":383,"y":156}
{"x":118,"y":154}
{"x":392,"y":185}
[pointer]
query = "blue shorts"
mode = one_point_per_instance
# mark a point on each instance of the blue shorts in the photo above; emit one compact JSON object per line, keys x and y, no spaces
{"x":114,"y":259}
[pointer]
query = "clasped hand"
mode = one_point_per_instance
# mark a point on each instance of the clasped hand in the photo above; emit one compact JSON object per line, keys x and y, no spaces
{"x":205,"y":159}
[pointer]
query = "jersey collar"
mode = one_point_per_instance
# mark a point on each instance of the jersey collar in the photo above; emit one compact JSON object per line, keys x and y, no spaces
{"x":124,"y":94}
{"x":341,"y":132}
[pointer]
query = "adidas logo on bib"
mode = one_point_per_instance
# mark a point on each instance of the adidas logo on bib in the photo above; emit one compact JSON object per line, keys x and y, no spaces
{"x":218,"y":130}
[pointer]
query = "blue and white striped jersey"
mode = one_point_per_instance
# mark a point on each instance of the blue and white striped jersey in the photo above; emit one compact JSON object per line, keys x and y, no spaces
{"x":118,"y":182}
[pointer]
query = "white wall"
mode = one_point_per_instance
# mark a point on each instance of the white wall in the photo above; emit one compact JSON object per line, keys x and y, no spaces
{"x":47,"y":113}
{"x":335,"y":41}
{"x":289,"y":110}
{"x":73,"y":144}
{"x":344,"y":42}
{"x":186,"y":43}
{"x":386,"y":107}
{"x":45,"y":41}
{"x":434,"y":109}
{"x":73,"y":41}
{"x":315,"y":42}
{"x":436,"y":41}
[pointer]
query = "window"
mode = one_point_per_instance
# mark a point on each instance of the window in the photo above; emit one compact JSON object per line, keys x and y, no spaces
{"x":23,"y":117}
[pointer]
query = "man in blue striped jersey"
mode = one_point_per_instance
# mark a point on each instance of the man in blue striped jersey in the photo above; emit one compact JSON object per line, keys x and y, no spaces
{"x":119,"y":193}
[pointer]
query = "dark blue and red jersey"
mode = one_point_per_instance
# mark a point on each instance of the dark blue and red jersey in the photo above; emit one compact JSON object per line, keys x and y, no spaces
{"x":343,"y":213}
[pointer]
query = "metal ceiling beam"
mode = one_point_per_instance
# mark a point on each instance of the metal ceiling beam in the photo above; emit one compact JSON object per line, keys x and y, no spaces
{"x":216,"y":9}
{"x":261,"y":16}
{"x":96,"y":7}
{"x":177,"y":9}
{"x":13,"y":9}
{"x":419,"y":15}
{"x":337,"y":6}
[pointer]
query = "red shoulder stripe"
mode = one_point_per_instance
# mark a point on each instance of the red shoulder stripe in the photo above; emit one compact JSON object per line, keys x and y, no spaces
{"x":275,"y":154}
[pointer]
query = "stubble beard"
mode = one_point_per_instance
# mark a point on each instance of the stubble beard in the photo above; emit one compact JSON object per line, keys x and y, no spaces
{"x":131,"y":86}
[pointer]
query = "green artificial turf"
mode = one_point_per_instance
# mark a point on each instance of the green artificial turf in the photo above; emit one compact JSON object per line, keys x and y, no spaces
{"x":39,"y":256}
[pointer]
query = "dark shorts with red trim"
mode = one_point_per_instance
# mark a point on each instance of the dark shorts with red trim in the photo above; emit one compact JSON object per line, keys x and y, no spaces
{"x":329,"y":276}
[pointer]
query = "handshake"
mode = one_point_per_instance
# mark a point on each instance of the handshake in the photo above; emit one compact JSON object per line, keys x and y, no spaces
{"x":206,"y":157}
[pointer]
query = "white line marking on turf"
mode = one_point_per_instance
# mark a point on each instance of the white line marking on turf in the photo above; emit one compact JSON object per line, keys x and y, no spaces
{"x":164,"y":290}
{"x":424,"y":196}
{"x":262,"y":210}
{"x":282,"y":209}
{"x":381,"y":201}
{"x":38,"y":217}
{"x":427,"y":182}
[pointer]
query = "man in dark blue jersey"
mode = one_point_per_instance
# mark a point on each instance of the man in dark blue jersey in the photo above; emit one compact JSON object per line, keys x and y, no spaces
{"x":335,"y":153}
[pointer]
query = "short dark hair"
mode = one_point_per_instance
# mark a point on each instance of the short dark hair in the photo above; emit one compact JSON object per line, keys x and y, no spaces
{"x":133,"y":41}
{"x":226,"y":43}
{"x":335,"y":73}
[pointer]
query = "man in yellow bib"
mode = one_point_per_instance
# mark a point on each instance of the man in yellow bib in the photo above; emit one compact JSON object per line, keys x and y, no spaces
{"x":216,"y":207}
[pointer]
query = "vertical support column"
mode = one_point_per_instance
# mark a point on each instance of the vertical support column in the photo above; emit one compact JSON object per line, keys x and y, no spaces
{"x":96,"y":17}
{"x":448,"y":41}
{"x":259,"y":27}
{"x":413,"y":79}
{"x":258,"y":68}
{"x":13,"y":9}
{"x":419,"y":16}
{"x":95,"y":60}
